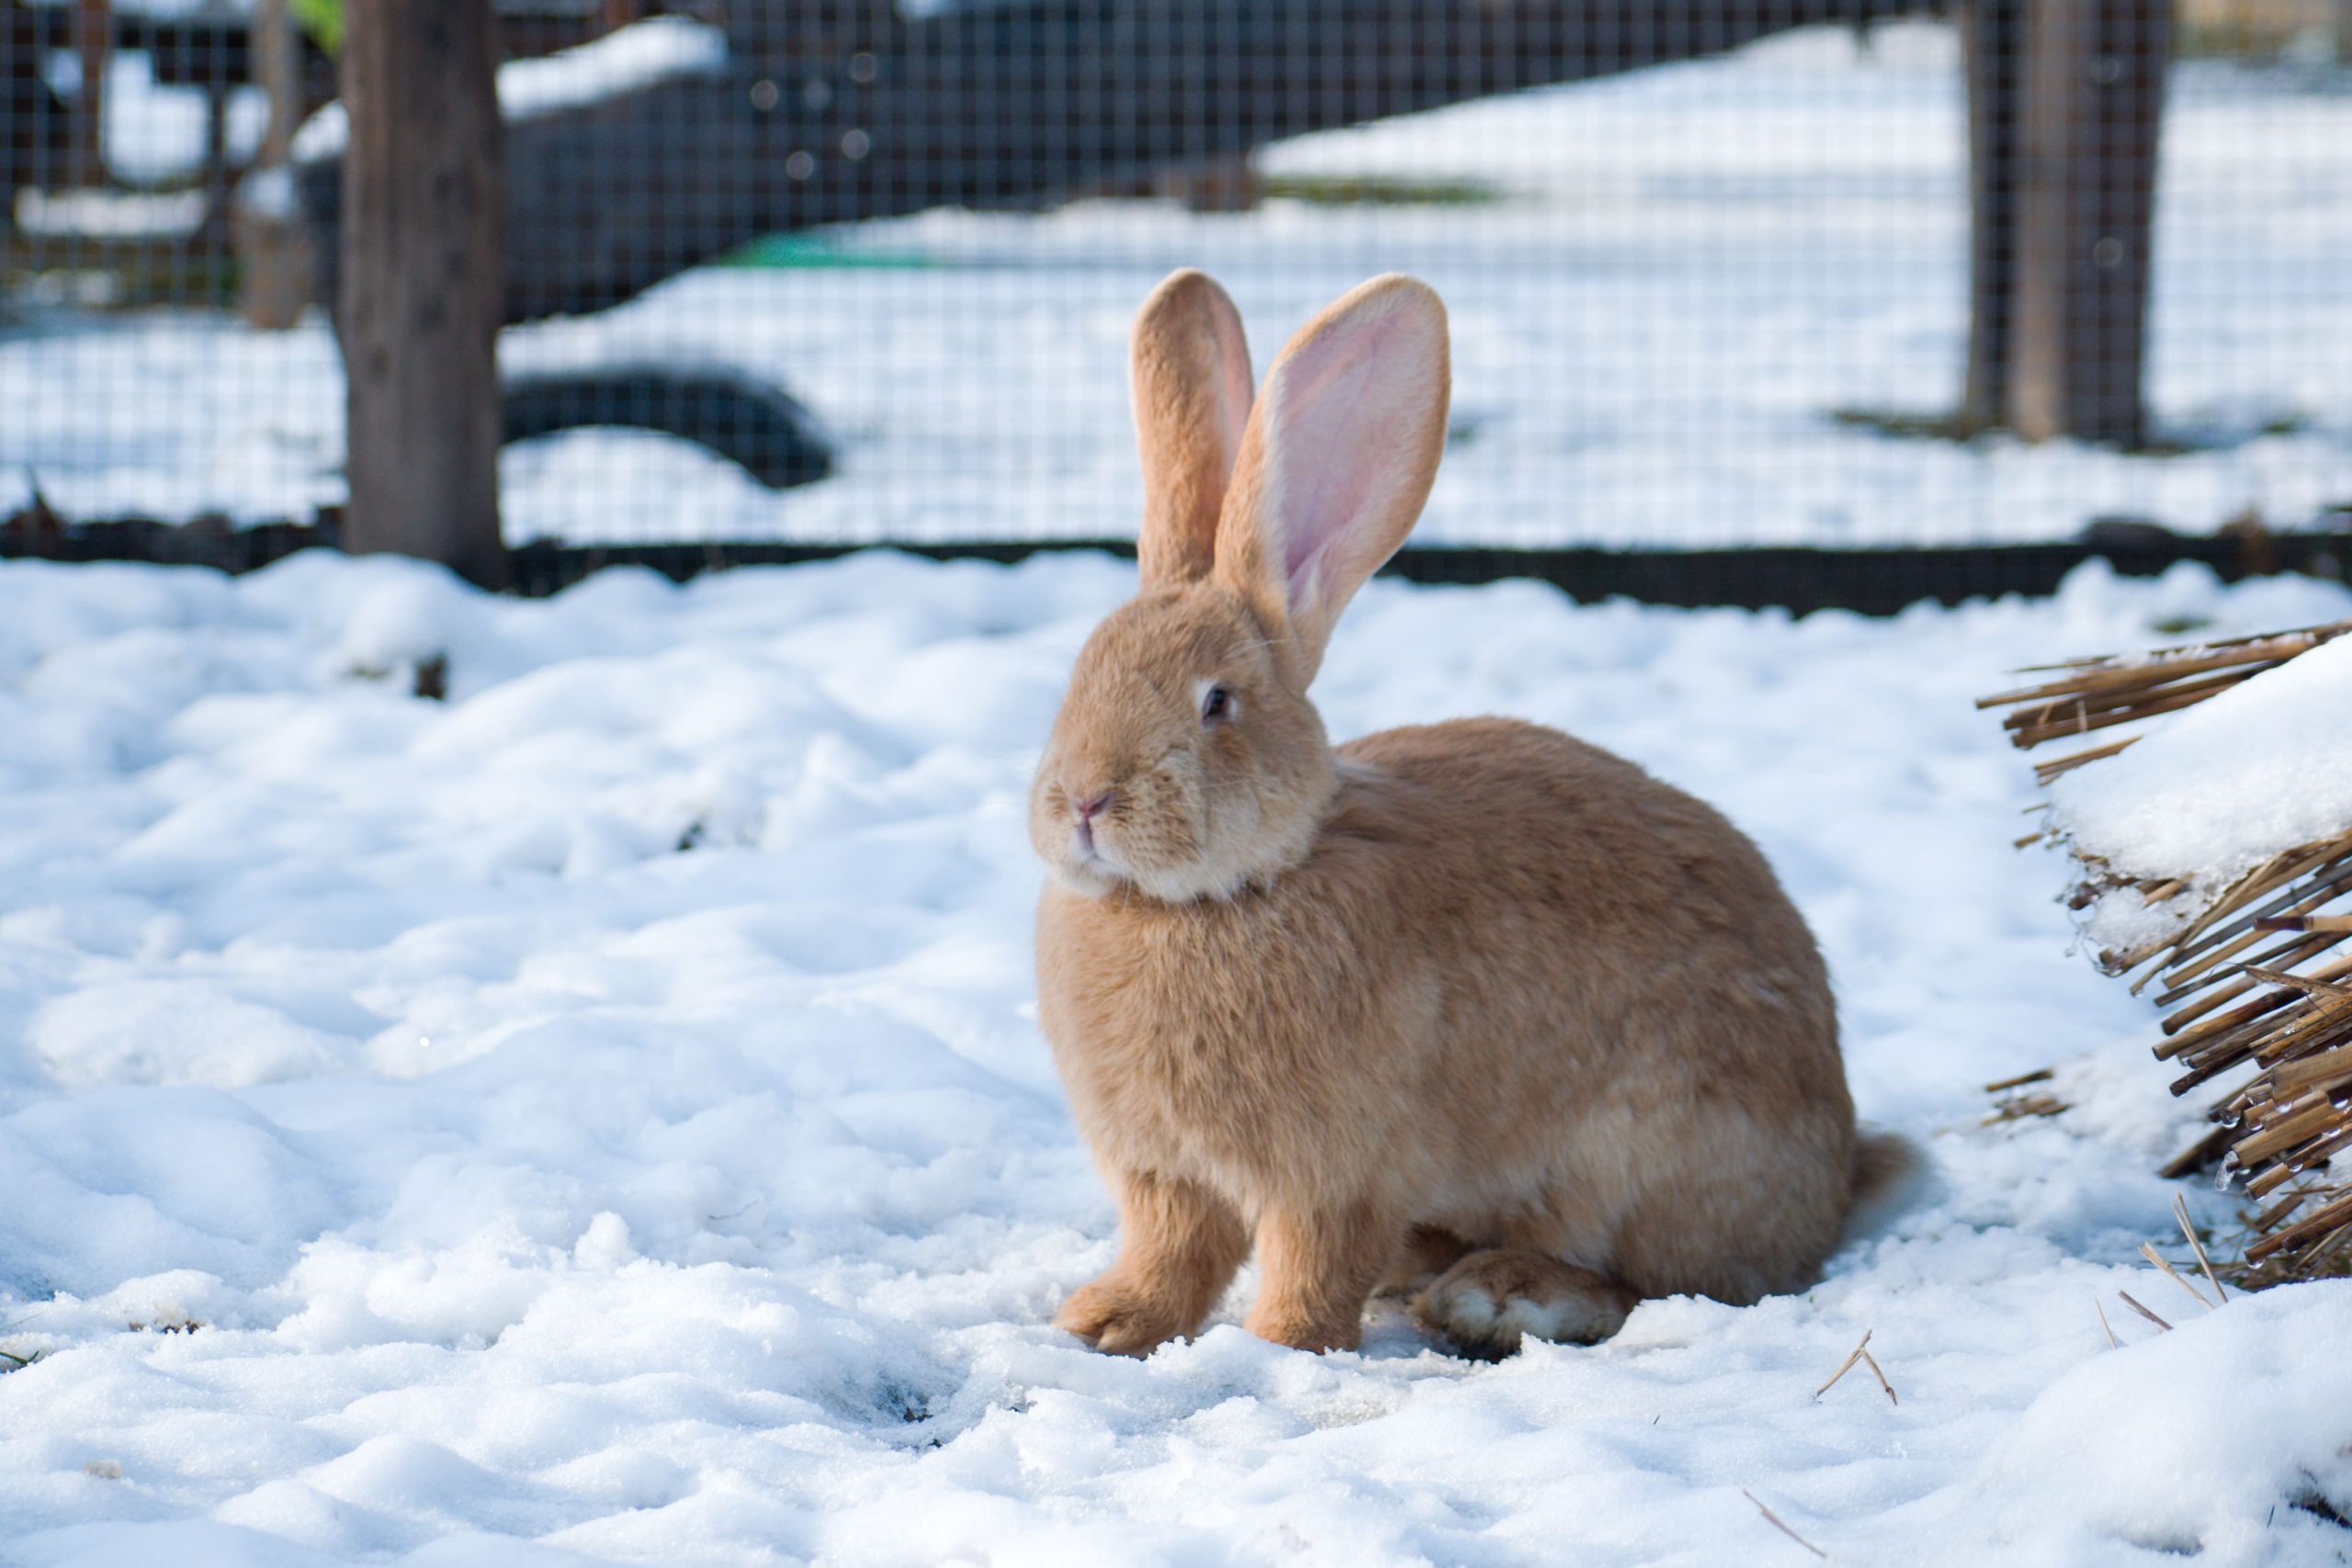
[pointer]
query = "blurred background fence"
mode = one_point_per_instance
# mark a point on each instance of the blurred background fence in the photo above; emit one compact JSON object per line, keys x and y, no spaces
{"x":1886,"y":281}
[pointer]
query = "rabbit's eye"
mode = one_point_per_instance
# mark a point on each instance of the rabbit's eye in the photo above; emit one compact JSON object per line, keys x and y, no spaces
{"x":1216,"y":704}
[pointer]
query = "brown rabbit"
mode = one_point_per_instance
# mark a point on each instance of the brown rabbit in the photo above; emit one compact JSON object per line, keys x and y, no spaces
{"x":1474,"y":1000}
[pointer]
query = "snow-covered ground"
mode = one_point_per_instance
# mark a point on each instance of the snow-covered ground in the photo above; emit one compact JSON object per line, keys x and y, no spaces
{"x":659,"y":49}
{"x":154,"y":132}
{"x":601,"y":1116}
{"x":1685,"y":271}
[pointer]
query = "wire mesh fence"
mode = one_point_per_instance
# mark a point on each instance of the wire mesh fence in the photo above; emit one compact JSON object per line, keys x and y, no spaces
{"x":1842,"y":274}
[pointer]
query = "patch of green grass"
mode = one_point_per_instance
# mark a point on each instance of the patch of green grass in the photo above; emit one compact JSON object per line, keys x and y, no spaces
{"x":1906,"y":425}
{"x":1379,"y":190}
{"x":2248,"y":40}
{"x":1910,"y":426}
{"x":117,"y":274}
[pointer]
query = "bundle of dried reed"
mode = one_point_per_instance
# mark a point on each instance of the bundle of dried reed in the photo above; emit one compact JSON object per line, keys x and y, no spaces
{"x":2253,"y":974}
{"x":2116,"y":688}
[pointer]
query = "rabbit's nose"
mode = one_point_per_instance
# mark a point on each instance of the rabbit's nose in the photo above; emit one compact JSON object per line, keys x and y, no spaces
{"x":1094,"y":805}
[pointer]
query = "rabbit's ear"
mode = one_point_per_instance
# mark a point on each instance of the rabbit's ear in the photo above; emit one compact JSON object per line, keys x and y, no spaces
{"x":1190,"y":366}
{"x":1338,"y":461}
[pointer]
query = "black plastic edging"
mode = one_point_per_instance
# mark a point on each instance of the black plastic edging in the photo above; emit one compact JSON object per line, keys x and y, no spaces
{"x":1870,"y":582}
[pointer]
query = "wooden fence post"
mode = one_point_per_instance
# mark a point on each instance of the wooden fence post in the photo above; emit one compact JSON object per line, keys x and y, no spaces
{"x":2065,"y":101}
{"x":276,"y":262}
{"x":418,"y":304}
{"x":2093,"y":106}
{"x":1992,"y":53}
{"x":93,"y":51}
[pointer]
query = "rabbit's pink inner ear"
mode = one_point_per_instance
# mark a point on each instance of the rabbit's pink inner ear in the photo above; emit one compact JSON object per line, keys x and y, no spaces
{"x":1341,"y":453}
{"x":1189,"y":370}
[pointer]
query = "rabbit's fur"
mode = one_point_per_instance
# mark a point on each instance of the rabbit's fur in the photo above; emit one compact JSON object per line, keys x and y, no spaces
{"x":1471,"y":1006}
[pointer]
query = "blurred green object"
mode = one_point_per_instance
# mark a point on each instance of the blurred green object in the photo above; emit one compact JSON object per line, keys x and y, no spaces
{"x":817,"y":251}
{"x":323,"y":19}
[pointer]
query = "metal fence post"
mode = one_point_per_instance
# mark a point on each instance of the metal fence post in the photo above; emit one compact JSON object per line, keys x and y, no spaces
{"x":418,"y":301}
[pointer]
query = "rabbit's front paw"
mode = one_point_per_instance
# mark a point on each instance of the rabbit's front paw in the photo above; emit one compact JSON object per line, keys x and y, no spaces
{"x":1305,"y":1331}
{"x":1114,"y":1316}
